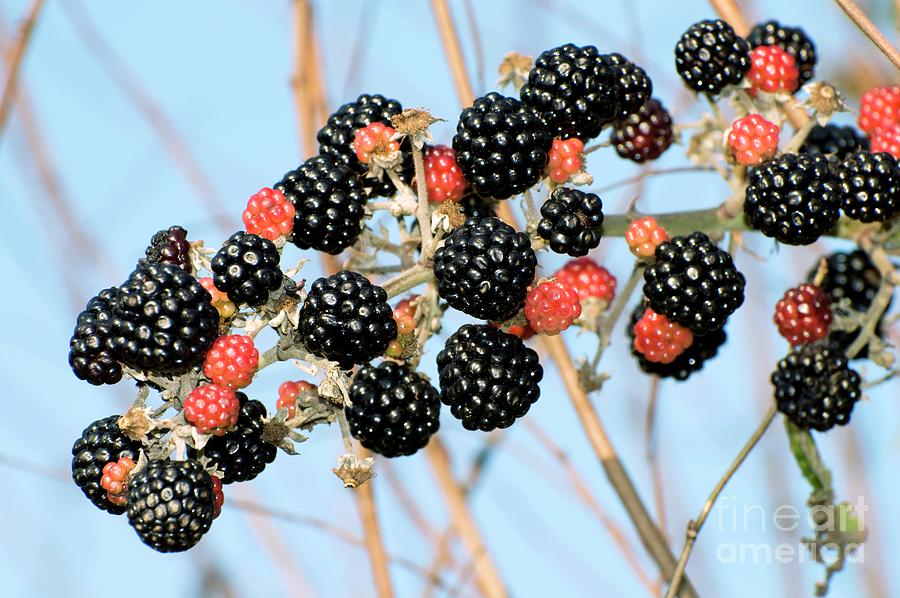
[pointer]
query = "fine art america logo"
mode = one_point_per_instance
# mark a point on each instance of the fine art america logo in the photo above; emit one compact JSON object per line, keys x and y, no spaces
{"x":831,"y":532}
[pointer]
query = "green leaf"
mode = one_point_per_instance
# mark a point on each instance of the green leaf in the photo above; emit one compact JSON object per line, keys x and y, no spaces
{"x":807,"y":455}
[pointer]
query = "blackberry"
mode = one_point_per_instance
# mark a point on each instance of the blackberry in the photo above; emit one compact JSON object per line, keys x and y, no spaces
{"x":815,"y":388}
{"x":394,"y":409}
{"x":246,"y":268}
{"x":488,"y":377}
{"x":869,"y":186}
{"x":711,"y":56}
{"x":336,"y":139}
{"x":171,"y":504}
{"x":692,"y":360}
{"x":694,"y":283}
{"x":90,"y":353}
{"x":163,"y":321}
{"x":241,"y":454}
{"x":851,"y":277}
{"x":329,"y":204}
{"x":792,"y":40}
{"x":793,"y":198}
{"x":835,"y":140}
{"x":475,"y":206}
{"x":645,"y":134}
{"x":346,"y":318}
{"x":484,"y":269}
{"x":577,"y":91}
{"x":571,"y":221}
{"x":635,"y":87}
{"x":501,"y":146}
{"x":169,"y":247}
{"x":101,"y":442}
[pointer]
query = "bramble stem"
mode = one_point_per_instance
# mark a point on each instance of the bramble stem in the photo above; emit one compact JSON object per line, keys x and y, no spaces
{"x":17,"y":54}
{"x":404,"y":281}
{"x":866,"y":25}
{"x":422,"y":212}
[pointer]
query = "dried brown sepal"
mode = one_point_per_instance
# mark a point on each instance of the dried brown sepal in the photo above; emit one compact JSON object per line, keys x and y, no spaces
{"x":354,"y":472}
{"x":514,"y":69}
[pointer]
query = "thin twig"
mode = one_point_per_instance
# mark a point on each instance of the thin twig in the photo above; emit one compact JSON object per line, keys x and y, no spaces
{"x":453,"y":50}
{"x":477,"y":48}
{"x":729,"y":11}
{"x":14,"y":63}
{"x":866,"y":25}
{"x":650,"y":173}
{"x":694,"y":526}
{"x":653,"y":455}
{"x":365,"y":500}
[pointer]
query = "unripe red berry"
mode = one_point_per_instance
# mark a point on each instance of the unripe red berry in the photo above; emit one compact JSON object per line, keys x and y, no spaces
{"x":443,"y":178}
{"x":772,"y":70}
{"x":231,"y":361}
{"x":589,"y":279}
{"x":660,"y":340}
{"x":644,"y":235}
{"x":219,"y":494}
{"x":269,"y":214}
{"x":565,"y":160}
{"x":220,"y":300}
{"x":803,"y":315}
{"x":374,"y":138}
{"x":551,"y":307}
{"x":212,"y":409}
{"x":887,"y":139}
{"x":879,"y":108}
{"x":752,"y":140}
{"x":288,"y":393}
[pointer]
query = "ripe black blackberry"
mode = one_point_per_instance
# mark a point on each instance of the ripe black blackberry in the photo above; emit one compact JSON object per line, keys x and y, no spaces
{"x":815,"y":388}
{"x":246,"y":268}
{"x":851,"y":277}
{"x":692,"y":360}
{"x":242,"y":454}
{"x":394,"y":409}
{"x":577,"y":91}
{"x":792,"y":40}
{"x":346,"y":318}
{"x":169,"y":246}
{"x":694,"y":283}
{"x":645,"y":134}
{"x":90,"y":353}
{"x":793,"y":198}
{"x":488,"y":377}
{"x":501,"y":146}
{"x":869,"y":186}
{"x":171,"y":504}
{"x":711,"y":56}
{"x":835,"y":140}
{"x":484,"y":269}
{"x":571,"y":221}
{"x":336,"y":139}
{"x":329,"y":204}
{"x":163,"y":321}
{"x":101,"y":442}
{"x":635,"y":87}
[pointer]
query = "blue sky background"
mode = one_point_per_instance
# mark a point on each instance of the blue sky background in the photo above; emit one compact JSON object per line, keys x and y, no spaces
{"x":220,"y":72}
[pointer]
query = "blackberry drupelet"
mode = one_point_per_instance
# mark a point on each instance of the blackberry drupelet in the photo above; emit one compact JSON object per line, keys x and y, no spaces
{"x":488,"y":378}
{"x":501,"y":146}
{"x":577,"y":90}
{"x":792,"y":40}
{"x":645,"y":134}
{"x":571,"y":221}
{"x":171,"y":504}
{"x":484,"y":269}
{"x":635,"y":87}
{"x":835,"y":140}
{"x":101,"y":442}
{"x":169,"y":247}
{"x":246,"y":269}
{"x":242,"y":454}
{"x":394,"y":409}
{"x":793,"y":198}
{"x":711,"y":56}
{"x":163,"y":320}
{"x":90,"y":352}
{"x":704,"y":348}
{"x":815,"y":388}
{"x":346,"y":318}
{"x":694,"y":283}
{"x":329,"y":204}
{"x":869,"y":186}
{"x":336,"y":139}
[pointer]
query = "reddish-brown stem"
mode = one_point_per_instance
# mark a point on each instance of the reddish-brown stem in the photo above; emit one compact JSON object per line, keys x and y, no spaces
{"x":365,"y":500}
{"x":14,"y":63}
{"x":866,"y":25}
{"x":453,"y":50}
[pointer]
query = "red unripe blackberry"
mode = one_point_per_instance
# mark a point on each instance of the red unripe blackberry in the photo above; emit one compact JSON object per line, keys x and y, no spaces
{"x":589,"y":279}
{"x":169,"y":247}
{"x":660,"y":340}
{"x":443,"y":178}
{"x":710,"y":56}
{"x":219,"y":494}
{"x":171,"y":504}
{"x":879,"y":108}
{"x":246,"y":268}
{"x":803,"y":315}
{"x":269,"y":214}
{"x":374,"y":139}
{"x":571,"y":221}
{"x":566,"y":159}
{"x":644,"y":235}
{"x":752,"y":140}
{"x":815,"y":388}
{"x":212,"y":409}
{"x":91,"y":352}
{"x":115,"y":479}
{"x":231,"y":361}
{"x":220,"y":300}
{"x":887,"y":140}
{"x":791,"y":39}
{"x":772,"y":70}
{"x":551,"y":307}
{"x":870,"y":186}
{"x":645,"y":134}
{"x":405,"y":317}
{"x":289,"y":392}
